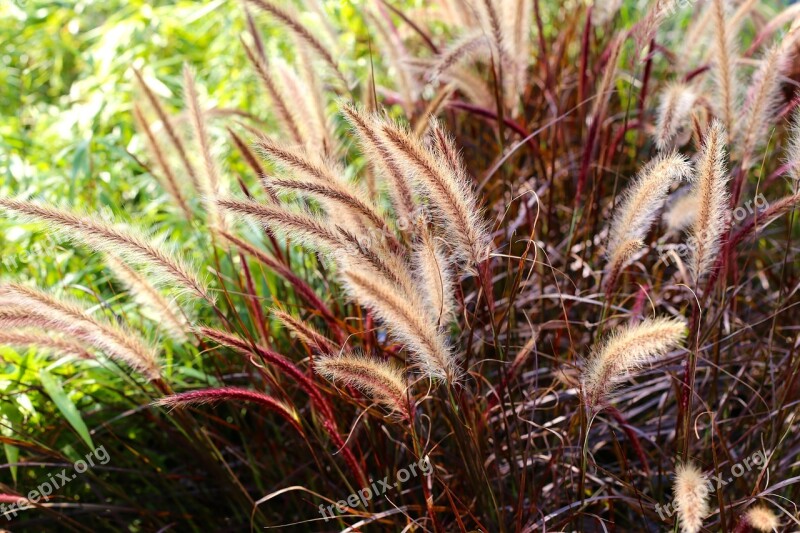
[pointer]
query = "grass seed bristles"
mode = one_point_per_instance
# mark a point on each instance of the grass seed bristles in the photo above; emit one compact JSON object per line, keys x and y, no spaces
{"x":691,"y":497}
{"x":310,"y":336}
{"x":793,"y":150}
{"x":641,"y":203}
{"x":315,"y":100}
{"x":432,"y":268}
{"x":127,"y":243}
{"x":381,"y":381}
{"x":320,"y":234}
{"x":626,"y":350}
{"x":230,"y":394}
{"x":170,"y":181}
{"x":468,"y":46}
{"x":403,"y":316}
{"x":319,"y":180}
{"x":27,"y":307}
{"x":764,"y":98}
{"x":359,"y":208}
{"x":165,"y":312}
{"x":761,"y":518}
{"x":710,"y":188}
{"x":291,"y":23}
{"x":391,"y":45}
{"x":251,"y":160}
{"x":42,"y":341}
{"x":307,"y":229}
{"x":174,"y":138}
{"x":280,"y":105}
{"x":379,"y":157}
{"x":210,"y":178}
{"x":673,"y":113}
{"x":724,"y":68}
{"x":450,"y":193}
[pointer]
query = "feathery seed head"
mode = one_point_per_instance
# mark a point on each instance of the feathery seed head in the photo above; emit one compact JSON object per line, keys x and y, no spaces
{"x":379,"y":380}
{"x":673,"y":114}
{"x":639,"y":207}
{"x":761,"y":518}
{"x":127,"y":243}
{"x":710,"y":189}
{"x":691,"y":497}
{"x":626,"y":350}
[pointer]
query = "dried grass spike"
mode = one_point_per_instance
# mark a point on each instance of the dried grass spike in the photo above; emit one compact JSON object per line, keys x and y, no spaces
{"x":674,"y":113}
{"x":762,"y":518}
{"x":627,"y":350}
{"x":210,"y":178}
{"x":165,"y":312}
{"x":403,"y":316}
{"x":291,"y":22}
{"x":710,"y":188}
{"x":639,"y":207}
{"x":724,"y":69}
{"x":22,"y":306}
{"x":381,"y":381}
{"x":447,"y":187}
{"x":306,"y":333}
{"x":691,"y":497}
{"x":127,"y":243}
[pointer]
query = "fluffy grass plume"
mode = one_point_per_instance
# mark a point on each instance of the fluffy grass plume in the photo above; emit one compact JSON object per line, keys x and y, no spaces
{"x":762,"y":103}
{"x":447,"y":188}
{"x":674,"y":109}
{"x":378,"y":156}
{"x":315,"y":178}
{"x":627,"y":350}
{"x":210,"y":177}
{"x":691,"y":497}
{"x":640,"y":205}
{"x":724,"y":64}
{"x":710,"y":189}
{"x":170,"y":181}
{"x":433,"y":270}
{"x":22,"y":306}
{"x":406,"y":320}
{"x":291,"y":22}
{"x":165,"y":312}
{"x":761,"y":518}
{"x":310,"y":336}
{"x":127,"y":243}
{"x":793,"y":149}
{"x":40,"y":340}
{"x":166,"y":123}
{"x":381,"y":381}
{"x":470,"y":45}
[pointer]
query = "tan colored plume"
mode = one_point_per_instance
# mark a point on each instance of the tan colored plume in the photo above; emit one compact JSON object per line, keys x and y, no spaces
{"x":710,"y":189}
{"x":761,"y":518}
{"x":164,"y":312}
{"x":22,"y":307}
{"x":639,"y":207}
{"x":128,"y":243}
{"x":691,"y":497}
{"x":674,"y":112}
{"x":626,"y":350}
{"x":381,"y":381}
